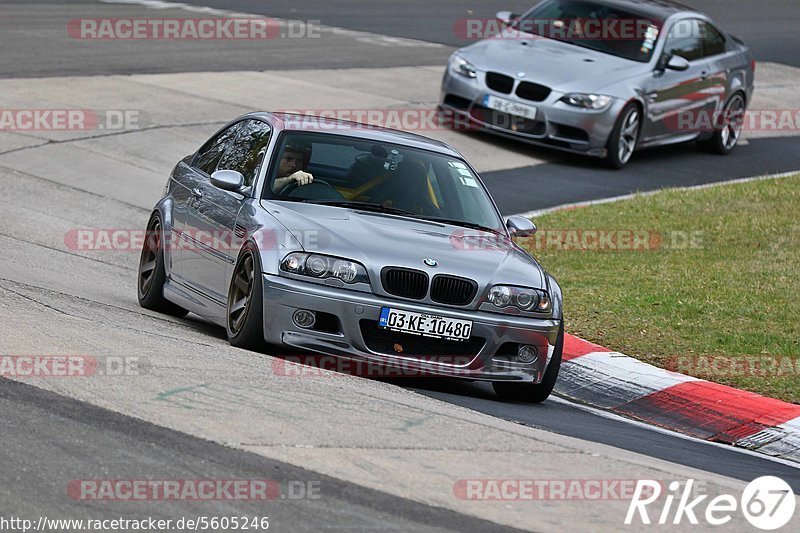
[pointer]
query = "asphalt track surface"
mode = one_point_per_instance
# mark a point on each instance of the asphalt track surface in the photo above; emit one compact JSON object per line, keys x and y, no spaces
{"x":72,"y":439}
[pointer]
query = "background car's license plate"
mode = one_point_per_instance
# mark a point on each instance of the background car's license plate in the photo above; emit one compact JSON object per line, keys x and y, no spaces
{"x":508,"y":106}
{"x":430,"y":325}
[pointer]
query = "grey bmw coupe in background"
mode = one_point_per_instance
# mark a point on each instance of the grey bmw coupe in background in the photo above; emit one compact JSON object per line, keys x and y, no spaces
{"x":394,"y":253}
{"x":604,"y":78}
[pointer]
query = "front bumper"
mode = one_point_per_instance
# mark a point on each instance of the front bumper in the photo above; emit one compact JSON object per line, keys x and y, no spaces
{"x":356,"y":310}
{"x":557,"y":125}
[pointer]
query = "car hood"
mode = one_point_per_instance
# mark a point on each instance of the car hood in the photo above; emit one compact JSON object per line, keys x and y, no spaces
{"x":377,"y":240}
{"x":560,"y":66}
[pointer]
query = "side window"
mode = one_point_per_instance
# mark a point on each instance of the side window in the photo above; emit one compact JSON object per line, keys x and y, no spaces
{"x":209,"y":155}
{"x":247,"y":151}
{"x":713,"y":41}
{"x":684,"y":40}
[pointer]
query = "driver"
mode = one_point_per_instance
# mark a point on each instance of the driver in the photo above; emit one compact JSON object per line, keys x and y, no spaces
{"x":295,"y":154}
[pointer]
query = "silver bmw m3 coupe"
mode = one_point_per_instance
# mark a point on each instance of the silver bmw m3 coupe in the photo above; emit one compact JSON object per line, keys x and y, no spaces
{"x":603,"y":78}
{"x":363,"y":243}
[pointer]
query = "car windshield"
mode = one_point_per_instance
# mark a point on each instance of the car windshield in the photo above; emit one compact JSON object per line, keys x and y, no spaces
{"x":389,"y":178}
{"x":593,"y":25}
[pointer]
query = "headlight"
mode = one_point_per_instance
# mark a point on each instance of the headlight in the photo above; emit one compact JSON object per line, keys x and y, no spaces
{"x":324,"y":266}
{"x":587,"y":101}
{"x":522,"y":298}
{"x":459,"y":65}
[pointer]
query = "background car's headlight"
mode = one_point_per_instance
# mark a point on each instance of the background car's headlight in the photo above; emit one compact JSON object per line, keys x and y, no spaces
{"x":523,"y":298}
{"x":587,"y":101}
{"x":459,"y":65}
{"x":324,"y":266}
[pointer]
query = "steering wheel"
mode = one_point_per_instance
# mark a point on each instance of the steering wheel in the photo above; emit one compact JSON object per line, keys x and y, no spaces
{"x":319,"y":189}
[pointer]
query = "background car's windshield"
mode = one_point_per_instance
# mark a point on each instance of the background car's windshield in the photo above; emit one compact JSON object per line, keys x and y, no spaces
{"x":425,"y":184}
{"x":594,"y":25}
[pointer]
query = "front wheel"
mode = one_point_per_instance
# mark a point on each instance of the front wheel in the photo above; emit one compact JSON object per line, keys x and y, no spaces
{"x":624,"y":136}
{"x":245,"y":311}
{"x":534,"y":392}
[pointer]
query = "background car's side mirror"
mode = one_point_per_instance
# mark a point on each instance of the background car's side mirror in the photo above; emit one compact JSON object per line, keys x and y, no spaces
{"x":506,"y":17}
{"x":677,"y":63}
{"x":520,"y":226}
{"x":228,"y":180}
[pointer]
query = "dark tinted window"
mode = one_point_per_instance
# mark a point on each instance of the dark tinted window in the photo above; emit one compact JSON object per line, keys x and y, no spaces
{"x":684,"y":40}
{"x":713,"y":41}
{"x":594,"y":25}
{"x":246,"y":153}
{"x":425,"y":184}
{"x":210,"y":154}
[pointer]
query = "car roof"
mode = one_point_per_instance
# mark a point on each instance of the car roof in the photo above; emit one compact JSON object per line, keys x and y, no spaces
{"x":283,"y":121}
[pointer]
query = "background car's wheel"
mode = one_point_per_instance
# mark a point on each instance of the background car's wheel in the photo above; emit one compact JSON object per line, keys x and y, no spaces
{"x":153,"y":274}
{"x":623,"y":139}
{"x":532,"y":392}
{"x":726,"y":136}
{"x":245,"y":311}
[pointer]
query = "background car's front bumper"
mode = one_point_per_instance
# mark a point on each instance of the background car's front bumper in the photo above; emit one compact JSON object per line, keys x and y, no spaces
{"x":556,"y":125}
{"x":358,"y":312}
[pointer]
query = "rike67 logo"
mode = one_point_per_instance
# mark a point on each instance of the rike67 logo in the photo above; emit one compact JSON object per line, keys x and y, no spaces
{"x":767,"y":503}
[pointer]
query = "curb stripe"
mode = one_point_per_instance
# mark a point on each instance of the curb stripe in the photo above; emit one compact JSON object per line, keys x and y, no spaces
{"x":612,"y":381}
{"x":577,"y":347}
{"x":711,"y":411}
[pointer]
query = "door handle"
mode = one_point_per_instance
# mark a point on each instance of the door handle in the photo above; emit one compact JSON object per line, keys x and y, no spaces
{"x":197,"y":192}
{"x":704,"y":75}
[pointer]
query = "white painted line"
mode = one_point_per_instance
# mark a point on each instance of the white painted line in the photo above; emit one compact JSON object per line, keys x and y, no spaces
{"x":539,"y":212}
{"x":643,"y":425}
{"x":361,"y":36}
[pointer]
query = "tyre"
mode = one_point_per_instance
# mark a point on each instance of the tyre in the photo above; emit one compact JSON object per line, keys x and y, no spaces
{"x":152,"y":273}
{"x":624,"y":137}
{"x":534,"y":392}
{"x":245,"y":310}
{"x":726,"y":136}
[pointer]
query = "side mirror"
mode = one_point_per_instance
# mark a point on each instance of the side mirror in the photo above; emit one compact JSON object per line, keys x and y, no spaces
{"x":520,"y":226}
{"x":506,"y":17}
{"x":677,"y":63}
{"x":228,"y":180}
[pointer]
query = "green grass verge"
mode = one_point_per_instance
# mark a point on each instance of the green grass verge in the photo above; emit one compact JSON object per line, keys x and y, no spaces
{"x":717,"y":295}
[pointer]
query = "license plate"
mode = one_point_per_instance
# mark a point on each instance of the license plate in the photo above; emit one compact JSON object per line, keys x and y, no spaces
{"x":423,"y":324}
{"x":509,"y":106}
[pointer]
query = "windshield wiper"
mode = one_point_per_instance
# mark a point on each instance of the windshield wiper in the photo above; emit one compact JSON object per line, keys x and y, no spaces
{"x":463,"y":223}
{"x":365,"y":206}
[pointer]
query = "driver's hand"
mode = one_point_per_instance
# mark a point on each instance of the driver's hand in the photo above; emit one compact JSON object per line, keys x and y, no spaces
{"x":302,"y":178}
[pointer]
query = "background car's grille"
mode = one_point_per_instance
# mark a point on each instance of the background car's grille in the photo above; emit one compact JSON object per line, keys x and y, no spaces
{"x":499,"y":82}
{"x":404,"y":282}
{"x":506,"y":121}
{"x":452,"y":290}
{"x":383,"y":341}
{"x":532,"y":91}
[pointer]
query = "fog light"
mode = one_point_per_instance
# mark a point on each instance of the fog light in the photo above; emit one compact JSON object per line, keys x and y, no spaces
{"x":528,"y":354}
{"x":304,"y":319}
